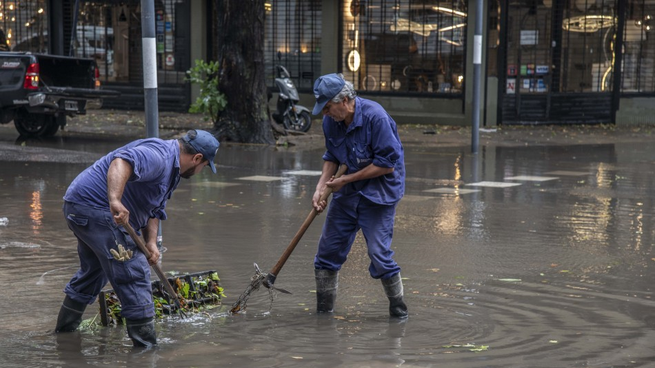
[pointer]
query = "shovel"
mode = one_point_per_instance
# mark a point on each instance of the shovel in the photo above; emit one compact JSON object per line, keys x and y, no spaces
{"x":269,"y":279}
{"x":272,"y":275}
{"x":167,"y":285}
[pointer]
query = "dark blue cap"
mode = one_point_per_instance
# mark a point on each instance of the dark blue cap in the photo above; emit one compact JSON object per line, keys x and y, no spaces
{"x":205,"y":143}
{"x":325,"y":88}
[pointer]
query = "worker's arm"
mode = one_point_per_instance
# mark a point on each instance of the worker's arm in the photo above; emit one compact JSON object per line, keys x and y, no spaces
{"x":369,"y":172}
{"x":329,"y":169}
{"x":117,"y":175}
{"x":150,"y":236}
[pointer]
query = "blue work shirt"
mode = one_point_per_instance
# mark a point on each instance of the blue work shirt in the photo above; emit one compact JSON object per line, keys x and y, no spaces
{"x":155,"y":175}
{"x":372,"y":138}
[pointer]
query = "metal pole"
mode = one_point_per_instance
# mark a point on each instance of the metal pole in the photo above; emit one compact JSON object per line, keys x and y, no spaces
{"x":71,"y":44}
{"x":477,"y":75}
{"x":149,"y":53}
{"x":149,"y":67}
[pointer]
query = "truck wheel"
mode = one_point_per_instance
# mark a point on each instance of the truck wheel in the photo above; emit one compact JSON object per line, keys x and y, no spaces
{"x":51,"y":128}
{"x":55,"y":122}
{"x":33,"y":125}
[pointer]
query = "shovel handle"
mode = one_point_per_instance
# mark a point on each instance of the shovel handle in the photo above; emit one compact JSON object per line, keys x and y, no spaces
{"x":142,"y":247}
{"x":305,"y":225}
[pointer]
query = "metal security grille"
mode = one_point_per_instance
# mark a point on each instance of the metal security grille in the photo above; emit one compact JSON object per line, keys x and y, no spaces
{"x":293,"y":40}
{"x":639,"y":47}
{"x":94,"y":37}
{"x":25,"y":25}
{"x":529,"y":48}
{"x":107,"y":31}
{"x":110,"y":32}
{"x":405,"y":46}
{"x":559,"y":61}
{"x":588,"y":45}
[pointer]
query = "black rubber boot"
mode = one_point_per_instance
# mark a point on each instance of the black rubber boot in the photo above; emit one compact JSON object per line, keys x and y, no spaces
{"x":393,"y":287}
{"x":70,"y":315}
{"x":142,"y":332}
{"x":327,"y":282}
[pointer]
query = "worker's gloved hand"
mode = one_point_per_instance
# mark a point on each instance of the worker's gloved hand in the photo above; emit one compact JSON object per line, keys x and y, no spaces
{"x":122,"y":255}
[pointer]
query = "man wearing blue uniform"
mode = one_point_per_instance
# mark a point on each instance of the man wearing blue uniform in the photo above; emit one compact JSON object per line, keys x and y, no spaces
{"x":360,"y":134}
{"x":129,"y":185}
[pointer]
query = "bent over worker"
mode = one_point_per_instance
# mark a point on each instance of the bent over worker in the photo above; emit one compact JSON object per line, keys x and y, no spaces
{"x":360,"y":134}
{"x":129,"y":185}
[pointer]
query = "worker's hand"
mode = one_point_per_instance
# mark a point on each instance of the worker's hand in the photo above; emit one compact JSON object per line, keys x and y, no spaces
{"x":332,"y":184}
{"x":120,"y":213}
{"x":154,"y":253}
{"x":336,"y":184}
{"x":318,"y":205}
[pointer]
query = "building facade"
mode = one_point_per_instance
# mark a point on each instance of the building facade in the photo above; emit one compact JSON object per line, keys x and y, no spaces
{"x":543,"y":61}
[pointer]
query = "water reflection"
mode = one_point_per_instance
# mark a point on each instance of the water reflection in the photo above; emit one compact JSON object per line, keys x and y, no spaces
{"x":548,"y":273}
{"x":36,"y":214}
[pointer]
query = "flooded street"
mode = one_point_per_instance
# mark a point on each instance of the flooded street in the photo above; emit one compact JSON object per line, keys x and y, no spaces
{"x":519,"y":256}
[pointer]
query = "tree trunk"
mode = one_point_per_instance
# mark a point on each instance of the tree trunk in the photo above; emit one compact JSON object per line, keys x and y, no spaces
{"x":240,"y":51}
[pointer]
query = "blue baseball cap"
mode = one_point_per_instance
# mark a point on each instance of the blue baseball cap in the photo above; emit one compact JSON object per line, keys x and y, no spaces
{"x":205,"y":143}
{"x":325,"y":88}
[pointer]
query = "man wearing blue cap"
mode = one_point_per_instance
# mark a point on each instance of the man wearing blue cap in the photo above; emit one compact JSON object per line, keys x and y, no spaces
{"x":129,"y":185}
{"x":360,"y":134}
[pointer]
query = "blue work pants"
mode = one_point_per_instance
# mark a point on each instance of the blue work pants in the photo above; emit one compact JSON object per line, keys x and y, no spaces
{"x":96,"y":234}
{"x":346,"y":215}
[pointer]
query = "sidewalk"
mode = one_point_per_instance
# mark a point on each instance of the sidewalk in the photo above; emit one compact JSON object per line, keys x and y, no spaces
{"x":132,"y":124}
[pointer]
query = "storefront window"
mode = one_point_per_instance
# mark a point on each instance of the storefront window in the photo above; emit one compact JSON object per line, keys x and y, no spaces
{"x":529,"y":49}
{"x":588,"y":39}
{"x":293,"y":40}
{"x":639,"y":47}
{"x":403,"y":46}
{"x":95,"y":37}
{"x":493,"y":38}
{"x":25,"y":25}
{"x":111,"y":34}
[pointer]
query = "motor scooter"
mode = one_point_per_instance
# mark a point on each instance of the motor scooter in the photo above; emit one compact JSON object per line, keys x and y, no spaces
{"x":289,"y":114}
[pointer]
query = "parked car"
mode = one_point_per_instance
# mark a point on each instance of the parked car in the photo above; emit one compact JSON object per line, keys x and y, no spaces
{"x":39,"y":91}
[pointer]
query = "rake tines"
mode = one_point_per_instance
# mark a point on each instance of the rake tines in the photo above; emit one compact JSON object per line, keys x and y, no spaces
{"x":255,"y":282}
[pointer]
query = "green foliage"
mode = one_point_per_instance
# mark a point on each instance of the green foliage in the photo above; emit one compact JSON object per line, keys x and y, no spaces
{"x":197,"y":293}
{"x":211,"y":101}
{"x":114,"y":308}
{"x":160,"y":302}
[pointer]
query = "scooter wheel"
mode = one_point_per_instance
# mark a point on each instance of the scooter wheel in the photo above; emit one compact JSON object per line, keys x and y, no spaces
{"x":302,"y":124}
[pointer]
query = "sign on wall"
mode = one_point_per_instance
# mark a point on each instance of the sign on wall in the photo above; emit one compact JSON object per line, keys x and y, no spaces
{"x":510,"y":86}
{"x":529,"y":37}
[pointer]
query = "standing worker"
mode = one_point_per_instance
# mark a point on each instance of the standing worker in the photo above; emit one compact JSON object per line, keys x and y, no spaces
{"x":360,"y":134}
{"x":129,"y":185}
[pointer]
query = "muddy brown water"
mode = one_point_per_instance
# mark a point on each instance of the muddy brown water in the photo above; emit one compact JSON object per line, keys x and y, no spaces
{"x":554,"y":272}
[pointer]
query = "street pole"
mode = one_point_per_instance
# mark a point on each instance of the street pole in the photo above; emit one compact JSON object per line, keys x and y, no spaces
{"x":149,"y":54}
{"x":477,"y":72}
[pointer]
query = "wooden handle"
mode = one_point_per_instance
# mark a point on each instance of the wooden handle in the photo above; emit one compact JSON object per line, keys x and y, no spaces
{"x":142,"y":247}
{"x":304,"y":227}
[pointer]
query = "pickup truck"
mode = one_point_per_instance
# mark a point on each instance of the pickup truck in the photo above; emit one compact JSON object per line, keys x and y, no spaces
{"x":38,"y":91}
